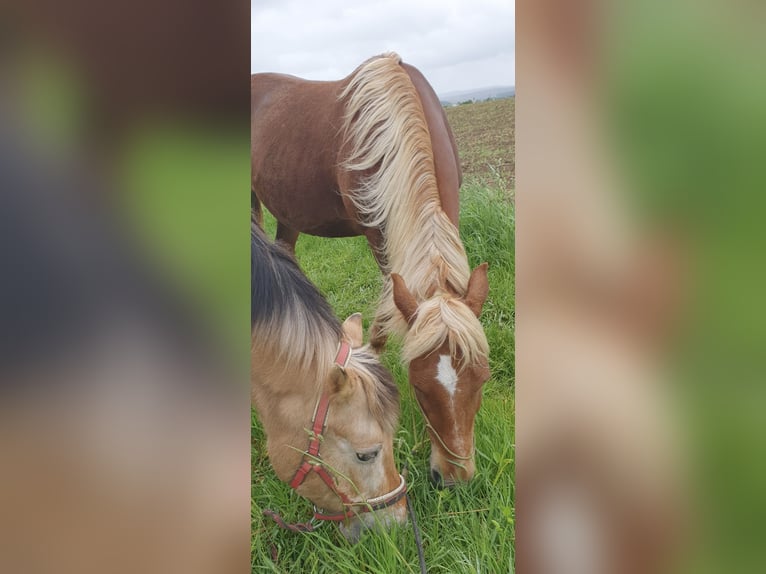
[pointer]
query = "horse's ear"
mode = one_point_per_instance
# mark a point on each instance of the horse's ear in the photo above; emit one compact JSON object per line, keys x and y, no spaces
{"x":478,"y":289}
{"x":403,"y":299}
{"x":340,"y":382}
{"x":352,"y":328}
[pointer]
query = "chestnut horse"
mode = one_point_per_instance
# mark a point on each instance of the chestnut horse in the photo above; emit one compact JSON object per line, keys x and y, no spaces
{"x":313,"y":383}
{"x":373,"y":154}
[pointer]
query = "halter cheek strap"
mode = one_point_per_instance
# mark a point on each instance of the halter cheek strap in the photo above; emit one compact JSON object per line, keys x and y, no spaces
{"x":318,"y":423}
{"x":312,"y":463}
{"x":343,"y":355}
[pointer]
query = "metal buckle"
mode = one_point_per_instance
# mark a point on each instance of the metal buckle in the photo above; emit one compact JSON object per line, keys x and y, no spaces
{"x":315,"y":522}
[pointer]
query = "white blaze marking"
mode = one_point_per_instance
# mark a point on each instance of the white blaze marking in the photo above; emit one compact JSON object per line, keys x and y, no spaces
{"x":446,"y":375}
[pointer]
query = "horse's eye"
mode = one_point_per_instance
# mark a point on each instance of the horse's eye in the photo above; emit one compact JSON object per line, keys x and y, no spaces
{"x":368,"y":455}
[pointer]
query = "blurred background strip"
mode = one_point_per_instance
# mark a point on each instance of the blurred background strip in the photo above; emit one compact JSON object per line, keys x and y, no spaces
{"x":124,"y":403}
{"x":641,"y":137}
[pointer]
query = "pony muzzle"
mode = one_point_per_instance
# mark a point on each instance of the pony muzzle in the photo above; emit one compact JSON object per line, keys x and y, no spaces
{"x":376,"y":513}
{"x":353,"y":528}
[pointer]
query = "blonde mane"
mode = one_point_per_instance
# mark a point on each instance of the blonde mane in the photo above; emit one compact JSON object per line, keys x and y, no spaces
{"x":444,"y":318}
{"x":390,"y":147}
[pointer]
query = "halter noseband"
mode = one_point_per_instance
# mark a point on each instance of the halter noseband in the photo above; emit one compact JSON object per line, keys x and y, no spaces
{"x":312,"y":463}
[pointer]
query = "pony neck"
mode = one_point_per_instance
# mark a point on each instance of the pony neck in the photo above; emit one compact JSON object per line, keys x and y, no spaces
{"x":285,"y":397}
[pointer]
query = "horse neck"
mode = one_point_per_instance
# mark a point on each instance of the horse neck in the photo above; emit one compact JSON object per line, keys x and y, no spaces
{"x":390,"y":153}
{"x":425,"y":249}
{"x":428,"y":254}
{"x":284,"y":394}
{"x":390,"y":156}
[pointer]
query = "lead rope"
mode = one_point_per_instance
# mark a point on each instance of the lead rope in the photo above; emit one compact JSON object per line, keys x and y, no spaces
{"x":452,"y":453}
{"x":415,"y":529}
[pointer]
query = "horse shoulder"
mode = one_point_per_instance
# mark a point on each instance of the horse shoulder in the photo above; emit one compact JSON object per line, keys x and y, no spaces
{"x":446,"y":160}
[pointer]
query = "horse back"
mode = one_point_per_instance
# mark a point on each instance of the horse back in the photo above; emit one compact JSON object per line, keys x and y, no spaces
{"x":295,"y":131}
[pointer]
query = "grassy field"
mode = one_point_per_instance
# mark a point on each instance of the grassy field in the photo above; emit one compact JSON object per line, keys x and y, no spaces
{"x":486,"y":137}
{"x":469,"y":529}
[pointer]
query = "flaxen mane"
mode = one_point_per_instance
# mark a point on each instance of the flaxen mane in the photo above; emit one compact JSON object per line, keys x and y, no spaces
{"x":387,"y":131}
{"x":446,"y":318}
{"x":292,"y":325}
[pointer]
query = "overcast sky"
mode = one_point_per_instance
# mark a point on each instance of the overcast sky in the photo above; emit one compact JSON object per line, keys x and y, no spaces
{"x":457,"y":44}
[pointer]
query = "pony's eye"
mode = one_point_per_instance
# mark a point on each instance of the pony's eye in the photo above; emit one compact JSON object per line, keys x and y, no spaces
{"x":368,"y":455}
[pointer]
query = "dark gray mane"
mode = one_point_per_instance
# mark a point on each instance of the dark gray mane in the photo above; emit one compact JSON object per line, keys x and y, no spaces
{"x":278,"y":289}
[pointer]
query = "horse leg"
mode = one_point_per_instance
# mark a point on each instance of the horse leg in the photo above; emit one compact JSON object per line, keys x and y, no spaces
{"x":287,"y":236}
{"x":257,"y":212}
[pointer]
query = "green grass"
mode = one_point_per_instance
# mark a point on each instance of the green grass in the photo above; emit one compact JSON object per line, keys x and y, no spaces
{"x":469,"y":529}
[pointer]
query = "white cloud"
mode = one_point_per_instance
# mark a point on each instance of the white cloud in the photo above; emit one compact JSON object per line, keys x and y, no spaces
{"x":457,"y":44}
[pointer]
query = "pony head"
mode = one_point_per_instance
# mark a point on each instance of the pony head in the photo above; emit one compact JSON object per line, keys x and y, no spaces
{"x":356,"y":443}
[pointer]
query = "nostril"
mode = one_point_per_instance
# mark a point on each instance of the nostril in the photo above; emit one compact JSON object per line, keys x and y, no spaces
{"x":436,"y":477}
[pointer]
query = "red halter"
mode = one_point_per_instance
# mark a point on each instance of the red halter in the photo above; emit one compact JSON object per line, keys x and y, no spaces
{"x":312,"y":463}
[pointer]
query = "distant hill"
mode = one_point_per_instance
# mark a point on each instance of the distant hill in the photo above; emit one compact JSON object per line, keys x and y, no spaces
{"x":478,"y":95}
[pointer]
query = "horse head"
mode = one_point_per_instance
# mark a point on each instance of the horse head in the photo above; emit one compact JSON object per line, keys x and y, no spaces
{"x":447,"y":353}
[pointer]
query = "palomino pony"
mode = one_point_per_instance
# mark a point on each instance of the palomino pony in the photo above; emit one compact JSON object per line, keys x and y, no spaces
{"x":373,"y":154}
{"x":314,"y":384}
